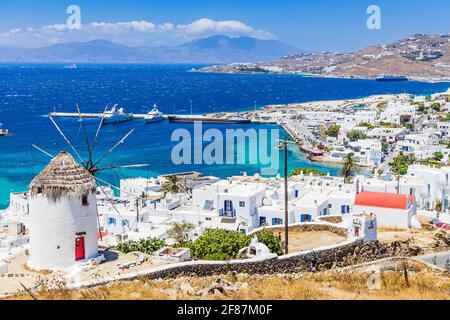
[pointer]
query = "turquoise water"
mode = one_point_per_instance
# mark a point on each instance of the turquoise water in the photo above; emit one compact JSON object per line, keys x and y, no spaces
{"x":27,"y":92}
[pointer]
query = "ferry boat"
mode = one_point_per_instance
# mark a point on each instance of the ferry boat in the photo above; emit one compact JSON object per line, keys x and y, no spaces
{"x":71,"y":66}
{"x":154,"y":116}
{"x":117,"y":115}
{"x":3,"y":132}
{"x":204,"y":119}
{"x":391,"y":78}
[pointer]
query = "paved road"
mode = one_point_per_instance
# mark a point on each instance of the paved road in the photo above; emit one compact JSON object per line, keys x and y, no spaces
{"x":441,"y":258}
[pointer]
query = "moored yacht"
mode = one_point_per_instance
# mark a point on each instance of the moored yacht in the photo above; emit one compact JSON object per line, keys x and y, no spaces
{"x":154,"y":116}
{"x":3,"y":132}
{"x":117,"y":115}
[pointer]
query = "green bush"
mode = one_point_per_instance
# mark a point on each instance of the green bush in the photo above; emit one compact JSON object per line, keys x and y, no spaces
{"x":148,"y":245}
{"x":218,"y":244}
{"x":333,"y":130}
{"x":306,"y":171}
{"x":355,"y":135}
{"x":214,"y":244}
{"x":271,"y":241}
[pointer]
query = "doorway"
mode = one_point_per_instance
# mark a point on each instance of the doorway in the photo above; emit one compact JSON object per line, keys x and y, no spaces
{"x":79,"y":248}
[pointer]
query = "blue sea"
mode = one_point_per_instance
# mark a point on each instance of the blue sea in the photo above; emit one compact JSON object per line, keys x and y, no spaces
{"x":28,"y":92}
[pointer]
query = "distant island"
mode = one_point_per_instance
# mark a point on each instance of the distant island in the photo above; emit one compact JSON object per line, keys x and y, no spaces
{"x":214,"y":49}
{"x":420,"y":57}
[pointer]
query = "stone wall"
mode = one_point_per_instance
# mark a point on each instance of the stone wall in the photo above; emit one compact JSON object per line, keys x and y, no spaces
{"x":340,"y":255}
{"x":331,"y":219}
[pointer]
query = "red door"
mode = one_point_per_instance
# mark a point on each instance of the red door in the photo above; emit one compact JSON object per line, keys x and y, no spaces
{"x":79,"y":248}
{"x":356,"y":231}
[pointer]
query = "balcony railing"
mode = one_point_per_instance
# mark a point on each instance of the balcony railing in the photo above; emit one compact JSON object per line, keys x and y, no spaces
{"x":227,"y":213}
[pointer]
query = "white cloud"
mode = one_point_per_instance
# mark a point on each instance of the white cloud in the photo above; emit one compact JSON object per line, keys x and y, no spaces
{"x":133,"y":33}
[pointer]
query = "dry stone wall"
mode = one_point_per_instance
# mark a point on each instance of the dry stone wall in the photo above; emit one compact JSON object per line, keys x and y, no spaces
{"x":351,"y":252}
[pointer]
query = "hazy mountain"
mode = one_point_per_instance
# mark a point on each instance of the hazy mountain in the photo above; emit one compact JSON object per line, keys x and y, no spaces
{"x":216,"y":49}
{"x":418,"y":57}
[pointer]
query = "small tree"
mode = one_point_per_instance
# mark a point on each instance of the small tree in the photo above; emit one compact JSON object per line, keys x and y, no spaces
{"x":271,"y":241}
{"x":355,"y":135}
{"x":174,"y":184}
{"x":348,"y":166}
{"x":438,"y":205}
{"x":438,"y":156}
{"x":401,"y":164}
{"x":447,"y":265}
{"x":333,"y":130}
{"x":180,"y":231}
{"x":306,"y":171}
{"x":434,"y":260}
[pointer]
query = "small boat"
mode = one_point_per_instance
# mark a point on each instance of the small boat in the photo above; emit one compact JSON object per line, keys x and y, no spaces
{"x":391,"y":78}
{"x":3,"y":132}
{"x":71,"y":66}
{"x":154,"y":116}
{"x":117,"y":115}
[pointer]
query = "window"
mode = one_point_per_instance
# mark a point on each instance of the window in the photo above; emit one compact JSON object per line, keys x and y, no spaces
{"x":242,"y":204}
{"x":84,"y":201}
{"x":262,"y":220}
{"x":112,"y":220}
{"x":228,"y":204}
{"x":276,"y":221}
{"x":345,"y":209}
{"x":305,"y":218}
{"x":125,"y":222}
{"x":329,"y":206}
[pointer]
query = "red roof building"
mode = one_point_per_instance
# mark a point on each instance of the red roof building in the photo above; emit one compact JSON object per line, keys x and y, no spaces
{"x":384,"y":200}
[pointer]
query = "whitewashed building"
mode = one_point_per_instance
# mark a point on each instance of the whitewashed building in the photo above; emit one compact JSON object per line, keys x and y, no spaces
{"x":398,"y":113}
{"x":392,"y":210}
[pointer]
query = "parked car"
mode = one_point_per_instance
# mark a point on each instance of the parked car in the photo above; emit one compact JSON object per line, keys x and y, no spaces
{"x":445,"y":226}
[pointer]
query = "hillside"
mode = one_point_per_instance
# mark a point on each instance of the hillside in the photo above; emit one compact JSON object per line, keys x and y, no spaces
{"x":215,"y":49}
{"x":419,"y":57}
{"x":420,"y":283}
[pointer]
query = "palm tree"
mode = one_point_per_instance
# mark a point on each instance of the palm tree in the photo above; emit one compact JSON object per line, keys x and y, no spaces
{"x":348,"y":166}
{"x":173,"y":184}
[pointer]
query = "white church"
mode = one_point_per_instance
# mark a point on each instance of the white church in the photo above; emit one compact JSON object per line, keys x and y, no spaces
{"x":63,"y":215}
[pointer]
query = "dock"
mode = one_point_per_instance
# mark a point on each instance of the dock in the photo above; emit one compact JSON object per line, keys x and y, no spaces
{"x":90,"y":115}
{"x":136,"y":116}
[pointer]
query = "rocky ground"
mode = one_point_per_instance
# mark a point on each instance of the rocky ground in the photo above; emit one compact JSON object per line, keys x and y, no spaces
{"x":405,"y":280}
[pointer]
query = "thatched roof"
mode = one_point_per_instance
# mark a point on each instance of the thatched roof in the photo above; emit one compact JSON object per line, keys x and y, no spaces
{"x":63,"y":177}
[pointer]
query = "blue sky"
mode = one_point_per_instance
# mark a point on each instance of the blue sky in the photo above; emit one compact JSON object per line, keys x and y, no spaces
{"x":310,"y":25}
